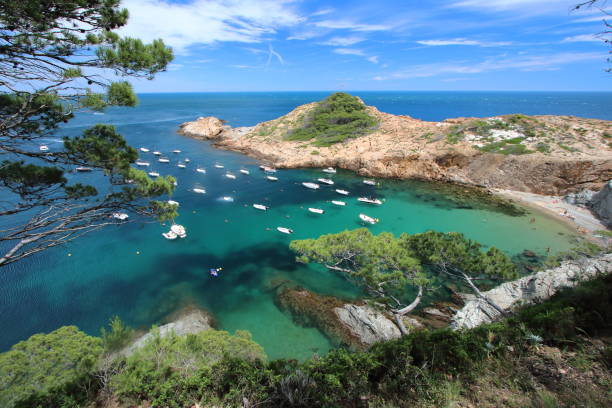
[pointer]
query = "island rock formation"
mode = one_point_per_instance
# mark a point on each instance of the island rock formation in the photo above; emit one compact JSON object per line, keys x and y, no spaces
{"x":552,"y":155}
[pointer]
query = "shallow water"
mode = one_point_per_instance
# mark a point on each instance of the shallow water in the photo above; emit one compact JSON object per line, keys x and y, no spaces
{"x":131,"y":271}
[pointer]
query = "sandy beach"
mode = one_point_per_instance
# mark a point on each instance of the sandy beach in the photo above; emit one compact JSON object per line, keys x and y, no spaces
{"x":577,"y":217}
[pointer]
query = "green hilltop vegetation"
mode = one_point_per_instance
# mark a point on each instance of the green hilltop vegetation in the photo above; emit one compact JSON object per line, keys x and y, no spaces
{"x":337,"y":118}
{"x":550,"y":355}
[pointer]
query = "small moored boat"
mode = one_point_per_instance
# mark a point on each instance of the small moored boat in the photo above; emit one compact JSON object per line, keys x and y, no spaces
{"x":269,"y":169}
{"x":313,"y":186}
{"x":201,"y":170}
{"x":330,"y":170}
{"x":169,"y":235}
{"x":43,"y":148}
{"x":368,"y":219}
{"x":260,"y":207}
{"x":336,"y":202}
{"x":284,"y":230}
{"x":369,"y":182}
{"x":83,"y":169}
{"x":343,"y":192}
{"x":219,"y":166}
{"x":172,"y":202}
{"x":143,"y":163}
{"x":325,"y":181}
{"x":181,"y":165}
{"x":230,"y":176}
{"x":243,"y":171}
{"x":272,"y":178}
{"x":164,"y":160}
{"x":144,"y":149}
{"x":120,"y":216}
{"x":176,"y":151}
{"x":370,"y":200}
{"x":186,"y":160}
{"x":199,"y":190}
{"x":157,"y":153}
{"x":178,"y":230}
{"x":316,"y":210}
{"x":227,"y":198}
{"x":153,"y":174}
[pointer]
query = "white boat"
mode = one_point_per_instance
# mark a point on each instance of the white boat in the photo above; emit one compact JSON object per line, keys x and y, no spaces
{"x":369,"y":182}
{"x":330,"y":170}
{"x":370,"y":200}
{"x":84,"y":169}
{"x":219,"y":166}
{"x":143,"y":163}
{"x":325,"y":181}
{"x":243,"y":171}
{"x":272,"y":178}
{"x":144,"y":149}
{"x":316,"y":210}
{"x":186,"y":160}
{"x":172,"y":202}
{"x":336,"y":202}
{"x":164,"y":160}
{"x":43,"y":148}
{"x":230,"y":176}
{"x":200,"y":170}
{"x":178,"y":230}
{"x":368,"y":219}
{"x":343,"y":192}
{"x":284,"y":230}
{"x":199,"y":190}
{"x":169,"y":235}
{"x":176,"y":151}
{"x":157,"y":153}
{"x":260,"y":207}
{"x":181,"y":165}
{"x":120,"y":216}
{"x":227,"y":198}
{"x":269,"y":170}
{"x":313,"y":186}
{"x":153,"y":174}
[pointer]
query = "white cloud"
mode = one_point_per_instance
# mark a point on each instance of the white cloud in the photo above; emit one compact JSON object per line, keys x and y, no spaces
{"x":322,"y":12}
{"x":373,"y":59}
{"x":532,"y":6}
{"x":174,"y":67}
{"x":464,"y":41}
{"x":348,"y":25}
{"x":521,"y":63}
{"x":208,"y":21}
{"x":343,"y":41}
{"x":271,"y":54}
{"x":349,"y":51}
{"x":582,"y":38}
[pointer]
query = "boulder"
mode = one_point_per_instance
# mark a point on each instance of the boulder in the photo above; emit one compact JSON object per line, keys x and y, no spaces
{"x":191,"y":321}
{"x":530,"y":289}
{"x":581,"y":198}
{"x":367,"y":324}
{"x":601,"y":204}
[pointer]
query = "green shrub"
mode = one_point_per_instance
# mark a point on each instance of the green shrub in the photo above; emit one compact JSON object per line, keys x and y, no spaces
{"x":49,"y":370}
{"x":543,"y":147}
{"x":117,"y":336}
{"x":339,"y":117}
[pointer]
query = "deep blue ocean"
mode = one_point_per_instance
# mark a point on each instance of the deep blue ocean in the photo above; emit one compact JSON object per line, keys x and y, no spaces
{"x":133,"y":272}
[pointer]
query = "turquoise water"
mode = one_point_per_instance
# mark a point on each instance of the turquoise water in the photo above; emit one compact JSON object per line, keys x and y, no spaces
{"x":133,"y":272}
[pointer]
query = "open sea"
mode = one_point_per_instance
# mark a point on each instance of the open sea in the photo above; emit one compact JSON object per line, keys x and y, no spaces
{"x":133,"y":272}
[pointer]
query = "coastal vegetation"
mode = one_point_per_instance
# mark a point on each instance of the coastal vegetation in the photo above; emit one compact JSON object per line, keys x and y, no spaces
{"x":337,"y":118}
{"x":388,"y":267}
{"x":53,"y":59}
{"x":550,"y":354}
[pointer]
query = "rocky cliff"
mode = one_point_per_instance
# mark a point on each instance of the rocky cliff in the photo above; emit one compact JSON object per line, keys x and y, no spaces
{"x":551,"y":155}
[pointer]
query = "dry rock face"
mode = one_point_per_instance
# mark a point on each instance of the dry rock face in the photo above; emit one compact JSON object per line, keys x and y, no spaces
{"x":601,"y":204}
{"x":191,"y":322}
{"x":530,"y":289}
{"x":366,"y":323}
{"x":569,"y":153}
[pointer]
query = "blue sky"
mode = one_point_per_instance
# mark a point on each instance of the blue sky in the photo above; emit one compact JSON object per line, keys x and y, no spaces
{"x":282,"y":45}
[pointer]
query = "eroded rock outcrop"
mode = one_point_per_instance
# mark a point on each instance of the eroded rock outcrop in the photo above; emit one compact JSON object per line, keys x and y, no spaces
{"x":531,"y":289}
{"x":189,"y":321}
{"x":204,"y":128}
{"x":601,"y":204}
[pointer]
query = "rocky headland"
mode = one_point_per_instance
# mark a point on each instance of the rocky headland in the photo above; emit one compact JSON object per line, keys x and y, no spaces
{"x":552,"y":155}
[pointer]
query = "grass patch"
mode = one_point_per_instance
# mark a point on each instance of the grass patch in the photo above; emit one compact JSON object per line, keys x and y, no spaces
{"x":543,"y":147}
{"x":337,"y":118}
{"x":506,"y":147}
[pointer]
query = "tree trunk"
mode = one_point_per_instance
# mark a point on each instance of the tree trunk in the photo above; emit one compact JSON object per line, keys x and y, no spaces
{"x":483,"y":296}
{"x":398,"y":314}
